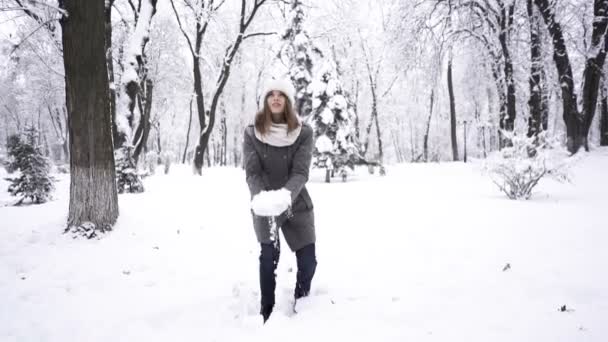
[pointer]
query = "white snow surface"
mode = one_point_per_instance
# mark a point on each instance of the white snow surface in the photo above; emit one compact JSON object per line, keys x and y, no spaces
{"x":417,"y":255}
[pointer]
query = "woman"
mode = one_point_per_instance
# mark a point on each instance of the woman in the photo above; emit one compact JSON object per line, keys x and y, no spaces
{"x":277,"y":152}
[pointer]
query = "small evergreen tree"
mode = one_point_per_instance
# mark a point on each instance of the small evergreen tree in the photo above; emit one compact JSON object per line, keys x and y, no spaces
{"x":336,"y":145}
{"x":25,"y":155}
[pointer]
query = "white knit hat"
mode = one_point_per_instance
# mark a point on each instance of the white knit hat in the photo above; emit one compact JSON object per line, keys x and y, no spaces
{"x":283,"y":85}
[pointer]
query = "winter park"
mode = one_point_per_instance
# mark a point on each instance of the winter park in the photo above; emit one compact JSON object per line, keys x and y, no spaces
{"x":297,"y":170}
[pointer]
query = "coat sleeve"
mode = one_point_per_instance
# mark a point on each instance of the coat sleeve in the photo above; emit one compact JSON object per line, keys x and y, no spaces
{"x":298,"y":175}
{"x":253,"y":166}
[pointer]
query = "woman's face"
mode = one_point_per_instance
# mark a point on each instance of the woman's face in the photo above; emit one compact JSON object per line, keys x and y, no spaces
{"x":276,"y":102}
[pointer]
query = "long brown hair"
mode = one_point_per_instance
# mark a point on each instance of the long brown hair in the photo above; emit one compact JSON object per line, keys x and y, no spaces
{"x":263,"y":118}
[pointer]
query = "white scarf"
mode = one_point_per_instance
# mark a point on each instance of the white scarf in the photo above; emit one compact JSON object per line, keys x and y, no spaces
{"x":278,"y":136}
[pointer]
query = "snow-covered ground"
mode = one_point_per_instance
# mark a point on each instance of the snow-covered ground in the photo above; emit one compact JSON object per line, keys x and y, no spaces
{"x":417,"y":255}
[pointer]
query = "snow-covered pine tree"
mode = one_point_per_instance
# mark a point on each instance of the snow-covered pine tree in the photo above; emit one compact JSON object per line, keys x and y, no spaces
{"x":25,"y":155}
{"x":296,"y":55}
{"x":336,"y":146}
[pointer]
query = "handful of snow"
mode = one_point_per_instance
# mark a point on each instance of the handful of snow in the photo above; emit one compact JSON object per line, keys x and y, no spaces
{"x":271,"y":203}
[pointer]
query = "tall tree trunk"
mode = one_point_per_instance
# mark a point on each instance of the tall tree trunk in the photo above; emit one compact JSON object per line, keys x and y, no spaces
{"x":188,"y":134}
{"x":235,"y":147}
{"x":379,"y":137}
{"x":452,"y":112}
{"x":356,"y":111}
{"x":501,"y":91}
{"x":66,"y":137}
{"x":507,"y":122}
{"x":604,"y":117}
{"x":160,"y":148}
{"x":224,"y":139}
{"x":118,"y":139}
{"x":428,"y":128}
{"x":368,"y":129}
{"x":535,"y":103}
{"x":93,"y":195}
{"x":140,"y":140}
{"x":200,"y":108}
{"x":374,"y":113}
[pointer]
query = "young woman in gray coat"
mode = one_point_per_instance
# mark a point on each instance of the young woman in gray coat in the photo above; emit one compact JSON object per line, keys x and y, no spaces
{"x":277,"y":151}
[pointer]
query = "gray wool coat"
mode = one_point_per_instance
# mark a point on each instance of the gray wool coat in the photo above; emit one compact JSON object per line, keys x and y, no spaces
{"x":269,"y":167}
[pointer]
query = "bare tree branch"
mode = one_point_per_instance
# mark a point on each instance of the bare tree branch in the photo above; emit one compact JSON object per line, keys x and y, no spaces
{"x":179,"y":22}
{"x":259,"y":34}
{"x":17,"y":46}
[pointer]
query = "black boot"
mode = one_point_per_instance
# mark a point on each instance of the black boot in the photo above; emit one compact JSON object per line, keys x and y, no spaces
{"x":269,"y":259}
{"x":307,"y":264}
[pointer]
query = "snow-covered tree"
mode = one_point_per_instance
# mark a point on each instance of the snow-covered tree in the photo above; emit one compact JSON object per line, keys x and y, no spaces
{"x":25,"y":155}
{"x":93,"y":198}
{"x":134,"y":101}
{"x":296,"y":54}
{"x":336,"y":146}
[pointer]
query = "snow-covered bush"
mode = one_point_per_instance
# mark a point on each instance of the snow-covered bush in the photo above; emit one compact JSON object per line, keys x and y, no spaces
{"x":517,"y":169}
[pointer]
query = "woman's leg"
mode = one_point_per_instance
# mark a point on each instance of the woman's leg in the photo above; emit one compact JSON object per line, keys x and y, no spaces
{"x":307,"y":264}
{"x":269,"y":259}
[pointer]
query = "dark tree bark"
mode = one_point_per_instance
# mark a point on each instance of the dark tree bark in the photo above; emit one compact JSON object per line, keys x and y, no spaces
{"x":140,"y":139}
{"x":356,"y":111}
{"x":506,"y":20}
{"x":374,"y":114}
{"x":604,"y":118}
{"x":578,"y":123}
{"x":224,"y":130}
{"x":425,"y":144}
{"x":452,"y":112}
{"x":93,"y":195}
{"x":379,"y":137}
{"x":188,"y":134}
{"x":110,"y":61}
{"x":535,"y":120}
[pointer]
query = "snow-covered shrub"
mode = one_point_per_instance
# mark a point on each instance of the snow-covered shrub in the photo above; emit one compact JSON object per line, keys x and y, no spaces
{"x":127,"y":178}
{"x":33,"y":181}
{"x":517,"y":169}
